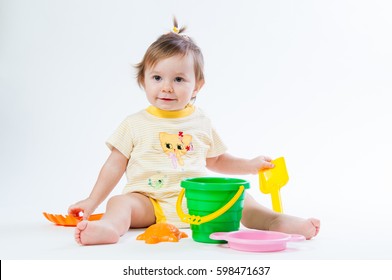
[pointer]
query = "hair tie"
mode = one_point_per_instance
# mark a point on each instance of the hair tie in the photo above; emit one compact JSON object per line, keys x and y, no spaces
{"x":175,"y":30}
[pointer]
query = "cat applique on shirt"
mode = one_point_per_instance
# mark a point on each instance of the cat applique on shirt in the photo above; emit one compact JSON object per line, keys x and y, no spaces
{"x":175,"y":146}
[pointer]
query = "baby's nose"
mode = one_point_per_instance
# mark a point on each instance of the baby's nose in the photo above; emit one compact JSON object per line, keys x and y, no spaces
{"x":167,"y":87}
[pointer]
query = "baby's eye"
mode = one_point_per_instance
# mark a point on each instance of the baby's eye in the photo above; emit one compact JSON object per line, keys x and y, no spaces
{"x":178,"y":79}
{"x":157,"y":78}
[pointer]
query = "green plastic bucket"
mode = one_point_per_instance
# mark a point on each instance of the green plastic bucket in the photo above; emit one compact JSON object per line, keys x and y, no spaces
{"x":215,"y":205}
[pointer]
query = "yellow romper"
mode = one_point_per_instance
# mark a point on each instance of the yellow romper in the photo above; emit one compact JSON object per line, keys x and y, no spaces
{"x":163,"y":148}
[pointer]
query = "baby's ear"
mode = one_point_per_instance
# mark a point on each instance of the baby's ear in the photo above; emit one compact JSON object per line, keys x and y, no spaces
{"x":198,"y":87}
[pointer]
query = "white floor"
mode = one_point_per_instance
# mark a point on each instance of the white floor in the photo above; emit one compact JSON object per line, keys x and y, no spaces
{"x":339,"y":239}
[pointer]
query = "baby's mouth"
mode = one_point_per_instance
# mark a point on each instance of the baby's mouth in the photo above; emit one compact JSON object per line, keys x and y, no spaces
{"x":167,"y":99}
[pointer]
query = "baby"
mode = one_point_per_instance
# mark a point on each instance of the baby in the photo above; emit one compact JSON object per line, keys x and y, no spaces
{"x":163,"y":144}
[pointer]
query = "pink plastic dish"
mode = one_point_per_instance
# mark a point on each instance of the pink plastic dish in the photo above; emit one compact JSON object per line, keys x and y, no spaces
{"x":257,"y":240}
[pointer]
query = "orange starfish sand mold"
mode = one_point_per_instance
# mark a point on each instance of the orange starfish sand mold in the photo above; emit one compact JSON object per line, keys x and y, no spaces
{"x":161,"y":232}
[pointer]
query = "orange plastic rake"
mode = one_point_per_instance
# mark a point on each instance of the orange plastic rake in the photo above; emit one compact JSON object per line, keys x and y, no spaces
{"x":67,"y":220}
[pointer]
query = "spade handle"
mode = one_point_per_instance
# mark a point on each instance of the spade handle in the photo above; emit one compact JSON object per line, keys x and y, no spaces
{"x":276,"y":202}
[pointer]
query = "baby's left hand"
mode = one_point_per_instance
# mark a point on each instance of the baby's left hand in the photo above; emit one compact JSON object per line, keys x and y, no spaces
{"x":259,"y":163}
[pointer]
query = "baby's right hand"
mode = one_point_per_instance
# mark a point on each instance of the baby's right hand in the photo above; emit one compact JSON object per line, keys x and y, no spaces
{"x":86,"y":206}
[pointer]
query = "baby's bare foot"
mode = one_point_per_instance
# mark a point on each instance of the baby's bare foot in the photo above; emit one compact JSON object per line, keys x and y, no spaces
{"x":96,"y":232}
{"x":289,"y":224}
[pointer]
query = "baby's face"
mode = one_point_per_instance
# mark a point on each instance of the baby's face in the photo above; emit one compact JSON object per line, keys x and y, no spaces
{"x":171,"y":83}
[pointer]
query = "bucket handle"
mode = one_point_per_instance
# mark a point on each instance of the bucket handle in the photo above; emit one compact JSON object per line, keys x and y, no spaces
{"x":197,"y":220}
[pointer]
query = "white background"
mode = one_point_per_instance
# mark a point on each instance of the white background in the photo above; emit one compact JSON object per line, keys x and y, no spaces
{"x":307,"y":80}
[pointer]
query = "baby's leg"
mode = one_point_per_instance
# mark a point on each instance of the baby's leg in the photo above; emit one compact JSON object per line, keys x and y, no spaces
{"x":256,"y":216}
{"x":122,"y":212}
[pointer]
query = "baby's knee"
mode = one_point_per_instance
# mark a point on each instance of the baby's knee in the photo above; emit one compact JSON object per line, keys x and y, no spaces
{"x":121,"y":198}
{"x":249,"y":201}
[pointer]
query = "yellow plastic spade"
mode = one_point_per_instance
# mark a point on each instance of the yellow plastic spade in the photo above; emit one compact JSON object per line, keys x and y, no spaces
{"x":271,"y":180}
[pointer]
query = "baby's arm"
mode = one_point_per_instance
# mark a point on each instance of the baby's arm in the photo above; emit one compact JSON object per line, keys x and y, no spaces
{"x":109,"y":176}
{"x":228,"y":164}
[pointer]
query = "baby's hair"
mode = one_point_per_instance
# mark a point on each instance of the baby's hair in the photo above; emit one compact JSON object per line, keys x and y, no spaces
{"x":168,"y":45}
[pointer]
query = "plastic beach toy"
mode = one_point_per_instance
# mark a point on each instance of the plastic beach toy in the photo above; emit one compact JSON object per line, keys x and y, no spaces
{"x":215,"y":205}
{"x":271,"y":180}
{"x":68,"y":220}
{"x":161,"y":232}
{"x":257,"y":240}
